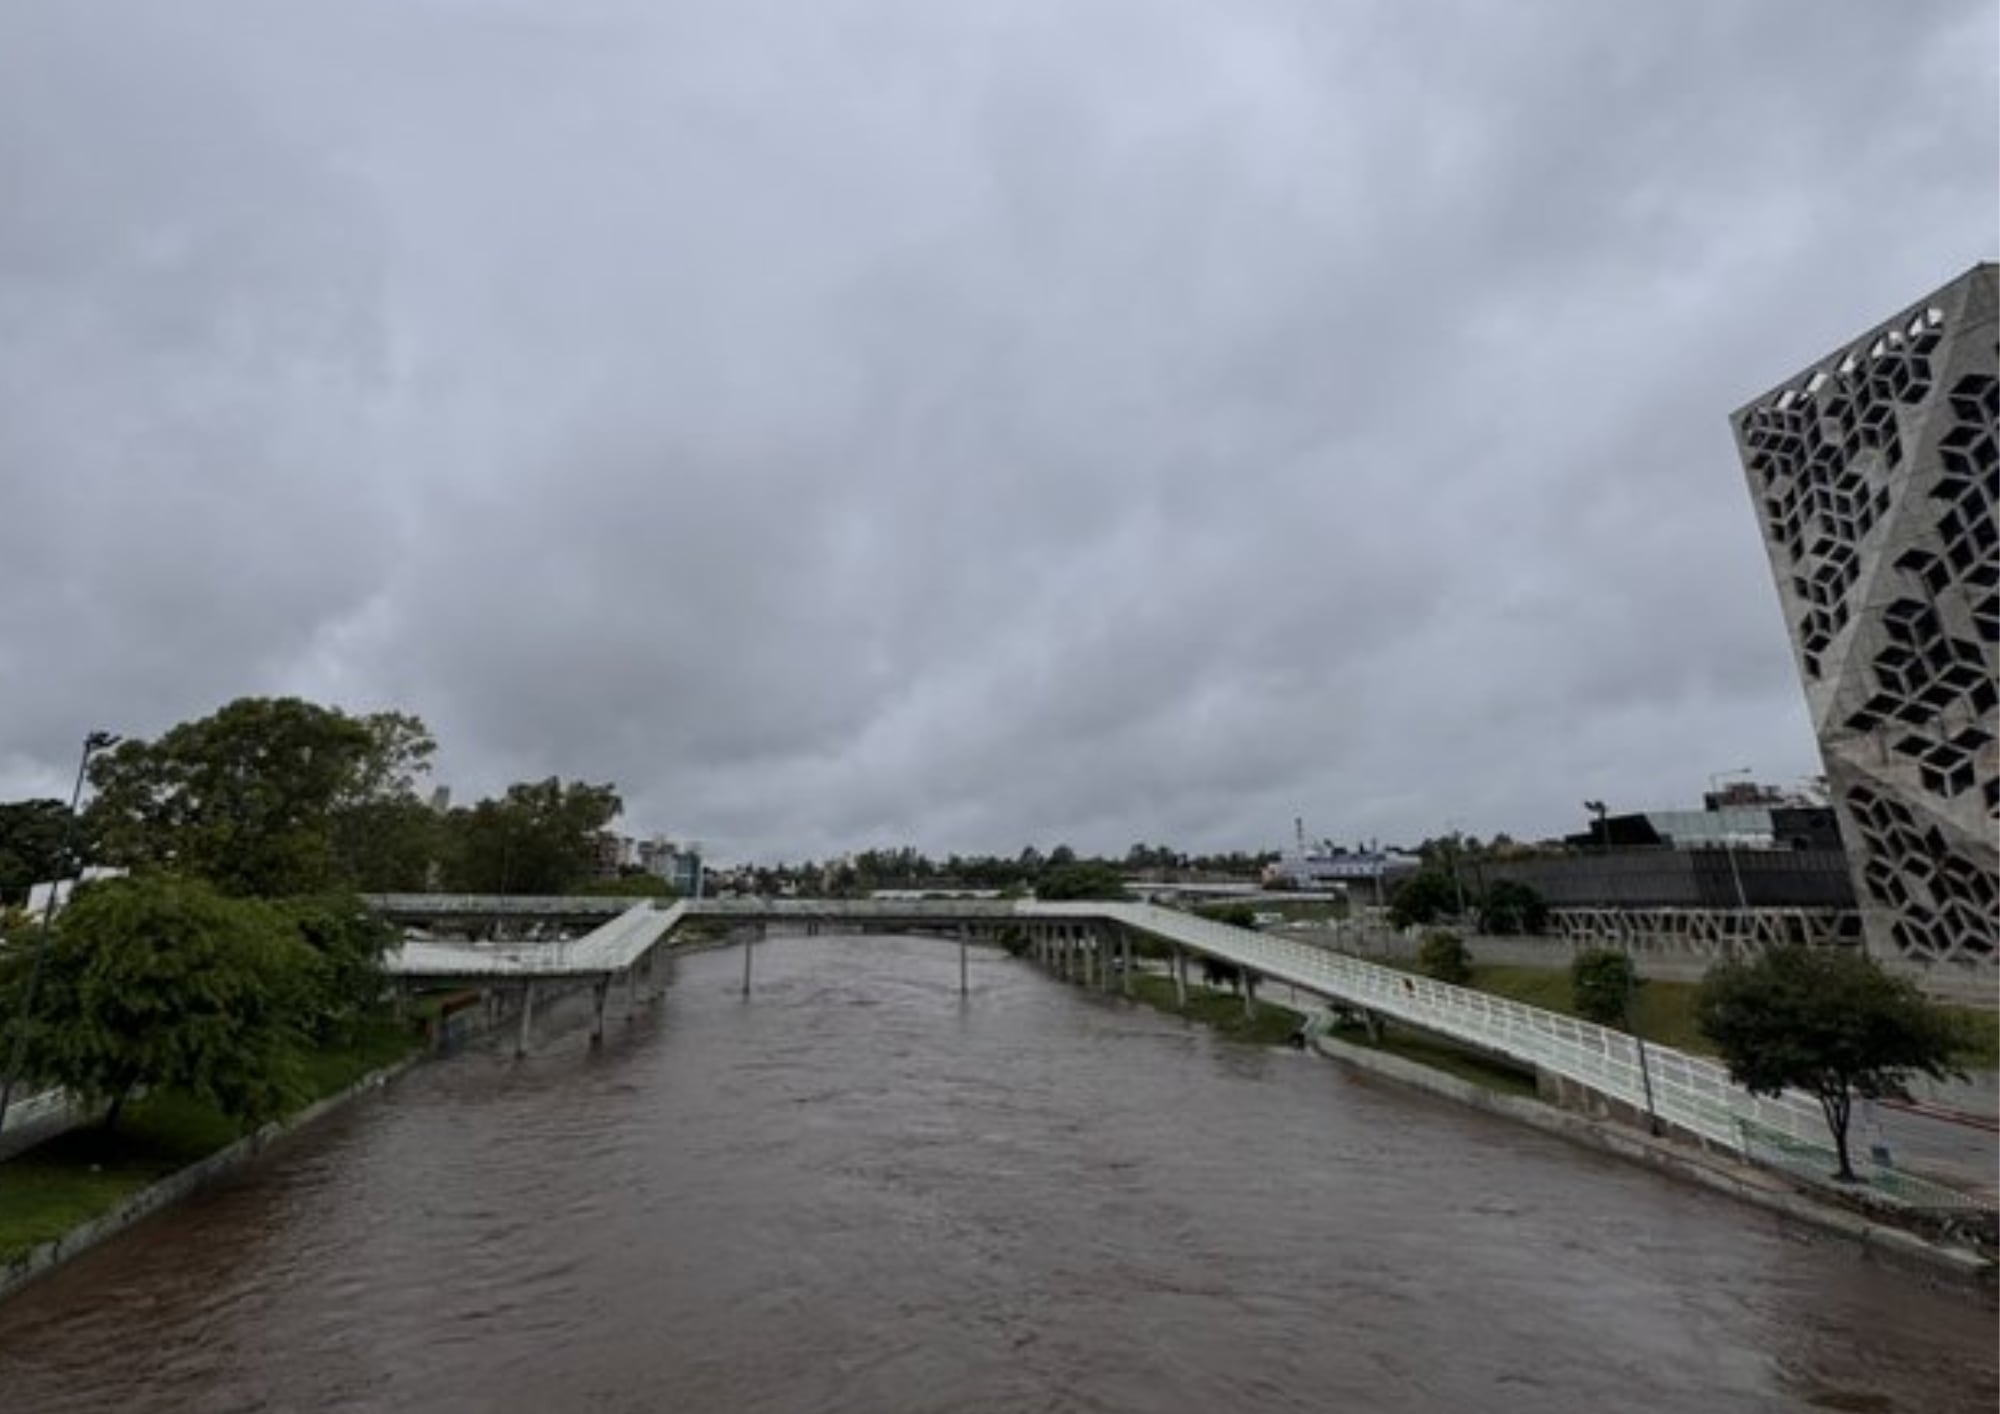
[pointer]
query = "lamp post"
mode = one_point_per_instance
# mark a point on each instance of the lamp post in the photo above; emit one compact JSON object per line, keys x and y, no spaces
{"x":92,"y":744}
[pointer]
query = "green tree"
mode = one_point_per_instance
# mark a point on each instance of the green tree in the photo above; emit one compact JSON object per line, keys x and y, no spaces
{"x":628,"y":886}
{"x":1090,"y":879}
{"x":1445,"y":958}
{"x":1236,"y":915}
{"x":163,"y":982}
{"x":539,"y":838}
{"x":1603,"y":984}
{"x":268,"y":797}
{"x":1828,"y":1021}
{"x":344,"y":981}
{"x":1422,"y":898}
{"x":31,"y":845}
{"x":1510,"y":907}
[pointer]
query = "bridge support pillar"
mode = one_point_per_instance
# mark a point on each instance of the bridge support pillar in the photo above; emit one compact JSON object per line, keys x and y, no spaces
{"x":1249,"y":993}
{"x":598,"y":991}
{"x":527,"y":1019}
{"x":1180,"y":978}
{"x":1100,"y":943}
{"x":1125,"y":961}
{"x":632,"y":988}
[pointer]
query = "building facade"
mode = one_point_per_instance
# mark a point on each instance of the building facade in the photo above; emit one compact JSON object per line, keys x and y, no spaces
{"x":1875,"y":474}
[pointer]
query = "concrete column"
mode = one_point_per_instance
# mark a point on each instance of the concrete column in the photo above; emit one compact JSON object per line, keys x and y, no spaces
{"x":1180,"y":978}
{"x":598,"y":991}
{"x":1100,"y":943}
{"x":1249,"y":993}
{"x":1125,"y":959}
{"x":527,"y":1019}
{"x":632,"y":988}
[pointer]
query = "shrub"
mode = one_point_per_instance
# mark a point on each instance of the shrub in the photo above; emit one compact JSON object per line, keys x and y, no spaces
{"x":1603,"y":984}
{"x":1445,"y":958}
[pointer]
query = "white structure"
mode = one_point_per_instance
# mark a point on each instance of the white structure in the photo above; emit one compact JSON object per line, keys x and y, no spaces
{"x":38,"y":894}
{"x":1875,"y":475}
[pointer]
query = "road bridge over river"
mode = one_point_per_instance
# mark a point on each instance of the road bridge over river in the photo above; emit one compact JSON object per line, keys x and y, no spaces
{"x":1690,"y":1093}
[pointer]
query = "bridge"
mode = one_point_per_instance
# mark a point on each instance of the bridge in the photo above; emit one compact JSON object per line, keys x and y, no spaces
{"x":1081,"y":940}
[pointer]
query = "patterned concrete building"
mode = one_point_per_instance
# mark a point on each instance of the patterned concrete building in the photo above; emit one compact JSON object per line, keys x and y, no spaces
{"x":1875,"y":475}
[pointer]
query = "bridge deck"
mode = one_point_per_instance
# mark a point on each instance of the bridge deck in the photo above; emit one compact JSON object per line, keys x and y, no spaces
{"x":1688,"y":1091}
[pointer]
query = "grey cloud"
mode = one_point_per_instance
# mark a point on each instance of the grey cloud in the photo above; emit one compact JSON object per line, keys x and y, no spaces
{"x":962,"y":425}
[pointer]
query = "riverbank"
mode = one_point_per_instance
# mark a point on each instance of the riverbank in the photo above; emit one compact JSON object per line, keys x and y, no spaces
{"x":1443,"y":1068}
{"x":77,"y":1188}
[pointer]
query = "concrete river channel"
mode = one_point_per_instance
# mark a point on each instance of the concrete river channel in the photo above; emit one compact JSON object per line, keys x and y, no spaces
{"x":856,"y":1191}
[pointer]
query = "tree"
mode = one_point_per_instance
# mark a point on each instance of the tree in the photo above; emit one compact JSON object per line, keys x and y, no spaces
{"x":1422,"y":898}
{"x":346,"y":944}
{"x":1092,"y":879}
{"x":1509,"y":907}
{"x":628,"y":886}
{"x":1215,"y":972}
{"x":163,"y":982}
{"x":1828,"y":1021}
{"x":539,"y":838}
{"x":1445,"y":958}
{"x":1603,"y":984}
{"x":1236,"y":915}
{"x":269,"y":797}
{"x":31,"y":845}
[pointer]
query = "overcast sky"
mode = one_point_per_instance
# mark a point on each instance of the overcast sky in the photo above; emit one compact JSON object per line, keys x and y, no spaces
{"x":968,"y":424}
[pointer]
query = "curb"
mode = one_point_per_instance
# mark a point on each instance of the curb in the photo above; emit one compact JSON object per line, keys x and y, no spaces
{"x":135,"y":1207}
{"x":1892,"y":1245}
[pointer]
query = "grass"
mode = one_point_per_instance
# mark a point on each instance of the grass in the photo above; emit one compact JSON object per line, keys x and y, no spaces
{"x":1664,"y":1011}
{"x":1449,"y":1057}
{"x":84,"y":1173}
{"x":1221,"y":1011}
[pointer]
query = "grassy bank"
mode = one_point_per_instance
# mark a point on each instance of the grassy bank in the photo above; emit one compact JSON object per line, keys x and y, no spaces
{"x":85,"y":1172}
{"x":1448,"y":1056}
{"x":1219,"y":1010}
{"x":1665,"y":1010}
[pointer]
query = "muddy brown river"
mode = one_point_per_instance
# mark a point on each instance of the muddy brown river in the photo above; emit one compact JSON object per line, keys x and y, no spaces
{"x":854,"y":1192}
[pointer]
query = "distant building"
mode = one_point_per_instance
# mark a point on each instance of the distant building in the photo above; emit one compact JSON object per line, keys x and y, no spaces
{"x":1328,"y":867}
{"x":1875,"y":476}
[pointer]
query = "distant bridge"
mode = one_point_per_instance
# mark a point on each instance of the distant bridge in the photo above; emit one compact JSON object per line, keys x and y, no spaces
{"x":1081,"y":938}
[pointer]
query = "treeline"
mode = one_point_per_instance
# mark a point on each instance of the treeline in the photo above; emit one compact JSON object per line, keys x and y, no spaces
{"x":277,"y":797}
{"x":1030,"y":871}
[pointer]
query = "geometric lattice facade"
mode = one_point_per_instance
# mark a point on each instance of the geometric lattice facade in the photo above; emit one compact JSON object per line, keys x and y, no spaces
{"x":1875,"y":474}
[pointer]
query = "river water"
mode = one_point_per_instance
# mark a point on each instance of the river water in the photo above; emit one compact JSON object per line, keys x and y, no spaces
{"x":856,"y":1192}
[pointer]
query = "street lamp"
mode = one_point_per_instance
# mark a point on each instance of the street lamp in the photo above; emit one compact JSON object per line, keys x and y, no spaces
{"x":92,"y":744}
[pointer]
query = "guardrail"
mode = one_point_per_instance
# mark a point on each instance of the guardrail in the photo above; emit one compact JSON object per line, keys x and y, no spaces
{"x":1689,"y":1092}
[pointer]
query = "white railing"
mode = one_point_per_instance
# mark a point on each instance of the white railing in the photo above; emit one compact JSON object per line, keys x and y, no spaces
{"x":1689,"y":1092}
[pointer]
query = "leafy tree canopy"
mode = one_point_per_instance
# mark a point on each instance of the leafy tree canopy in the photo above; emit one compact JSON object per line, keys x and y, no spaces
{"x":1423,"y":898}
{"x":267,"y":797}
{"x":539,"y":838}
{"x":31,"y":845}
{"x":1603,"y":984}
{"x":1090,"y":879}
{"x":628,"y":886}
{"x":1509,"y":907}
{"x":1828,"y":1021}
{"x":165,"y":982}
